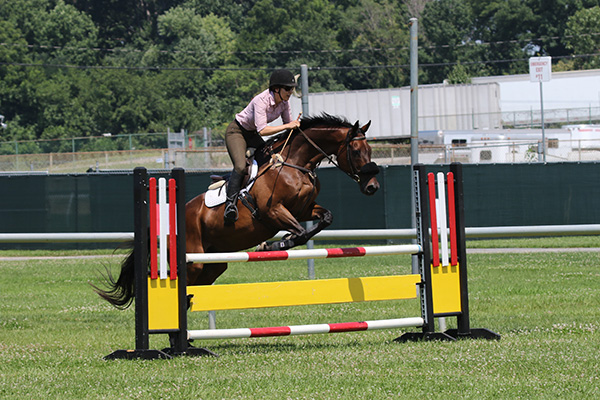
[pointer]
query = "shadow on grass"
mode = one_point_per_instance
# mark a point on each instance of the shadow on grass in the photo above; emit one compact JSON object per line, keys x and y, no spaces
{"x":287,"y":347}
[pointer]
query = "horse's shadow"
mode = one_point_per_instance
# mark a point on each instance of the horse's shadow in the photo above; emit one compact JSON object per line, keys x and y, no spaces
{"x":280,"y":347}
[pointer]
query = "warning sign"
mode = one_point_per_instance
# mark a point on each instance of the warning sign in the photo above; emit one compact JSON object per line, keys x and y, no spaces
{"x":540,"y":69}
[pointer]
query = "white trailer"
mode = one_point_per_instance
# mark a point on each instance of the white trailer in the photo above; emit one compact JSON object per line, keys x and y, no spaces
{"x":571,"y":143}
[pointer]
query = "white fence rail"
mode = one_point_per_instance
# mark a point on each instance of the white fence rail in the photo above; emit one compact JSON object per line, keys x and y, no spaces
{"x":344,"y":234}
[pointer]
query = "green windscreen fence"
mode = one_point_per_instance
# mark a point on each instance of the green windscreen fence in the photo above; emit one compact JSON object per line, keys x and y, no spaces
{"x":495,"y":195}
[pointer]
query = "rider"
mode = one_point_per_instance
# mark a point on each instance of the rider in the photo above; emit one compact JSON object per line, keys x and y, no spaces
{"x":250,"y":124}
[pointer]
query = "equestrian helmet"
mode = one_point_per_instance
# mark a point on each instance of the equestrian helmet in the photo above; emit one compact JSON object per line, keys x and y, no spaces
{"x":282,"y":77}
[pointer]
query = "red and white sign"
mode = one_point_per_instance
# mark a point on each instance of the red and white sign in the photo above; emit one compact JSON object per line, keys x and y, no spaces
{"x":540,"y":69}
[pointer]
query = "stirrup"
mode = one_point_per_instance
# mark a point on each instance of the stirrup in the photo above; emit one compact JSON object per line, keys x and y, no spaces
{"x":231,"y":213}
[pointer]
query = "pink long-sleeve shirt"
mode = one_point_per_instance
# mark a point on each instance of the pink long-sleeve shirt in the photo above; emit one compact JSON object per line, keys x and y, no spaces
{"x":262,"y":110}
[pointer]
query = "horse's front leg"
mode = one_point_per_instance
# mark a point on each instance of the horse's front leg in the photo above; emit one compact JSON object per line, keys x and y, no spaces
{"x":298,"y":235}
{"x":325,"y":218}
{"x":204,"y":274}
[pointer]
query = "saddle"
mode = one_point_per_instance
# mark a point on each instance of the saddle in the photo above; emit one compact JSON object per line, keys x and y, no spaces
{"x":217,"y":190}
{"x":255,"y":158}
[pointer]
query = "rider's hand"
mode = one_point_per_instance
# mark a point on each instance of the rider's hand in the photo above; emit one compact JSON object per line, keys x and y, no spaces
{"x":293,"y":124}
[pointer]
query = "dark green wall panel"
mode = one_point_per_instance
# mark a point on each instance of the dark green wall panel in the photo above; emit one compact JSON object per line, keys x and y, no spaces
{"x":495,"y":195}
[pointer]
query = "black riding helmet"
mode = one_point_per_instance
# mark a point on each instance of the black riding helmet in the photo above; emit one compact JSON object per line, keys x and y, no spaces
{"x":282,"y":77}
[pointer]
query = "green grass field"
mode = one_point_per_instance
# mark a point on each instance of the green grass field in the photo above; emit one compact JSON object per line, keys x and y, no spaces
{"x":54,"y":332}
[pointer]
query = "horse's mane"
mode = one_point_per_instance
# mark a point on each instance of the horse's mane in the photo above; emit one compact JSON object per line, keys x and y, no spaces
{"x":322,"y":120}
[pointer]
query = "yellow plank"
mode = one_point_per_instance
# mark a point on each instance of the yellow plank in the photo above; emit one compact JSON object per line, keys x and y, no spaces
{"x":162,"y":304}
{"x":446,"y":289}
{"x":292,"y":293}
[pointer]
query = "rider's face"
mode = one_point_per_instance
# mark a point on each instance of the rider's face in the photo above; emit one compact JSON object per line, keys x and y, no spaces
{"x":286,"y":92}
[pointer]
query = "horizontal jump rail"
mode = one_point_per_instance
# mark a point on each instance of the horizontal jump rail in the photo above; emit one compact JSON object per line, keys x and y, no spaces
{"x":332,"y":234}
{"x":302,"y":254}
{"x":305,"y":329}
{"x":66,"y":237}
{"x":300,"y":293}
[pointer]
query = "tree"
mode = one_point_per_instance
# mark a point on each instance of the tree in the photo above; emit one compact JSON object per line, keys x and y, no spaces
{"x":550,"y":22}
{"x":458,"y":75}
{"x":69,"y":31}
{"x":123,"y":22}
{"x":194,"y":40}
{"x":233,"y":11}
{"x":448,"y":38}
{"x":583,"y":38}
{"x":288,"y":33}
{"x":505,"y":29}
{"x":377,"y":32}
{"x":415,"y":7}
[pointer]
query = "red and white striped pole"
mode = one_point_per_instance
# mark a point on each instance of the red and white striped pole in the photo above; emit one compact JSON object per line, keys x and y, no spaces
{"x":302,"y":254}
{"x":304,"y":329}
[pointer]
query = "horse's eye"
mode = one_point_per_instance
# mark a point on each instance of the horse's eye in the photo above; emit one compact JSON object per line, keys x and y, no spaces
{"x":356,"y":153}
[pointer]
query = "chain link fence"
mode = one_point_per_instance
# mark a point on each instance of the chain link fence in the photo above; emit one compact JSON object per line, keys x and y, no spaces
{"x":216,"y":158}
{"x":201,"y":150}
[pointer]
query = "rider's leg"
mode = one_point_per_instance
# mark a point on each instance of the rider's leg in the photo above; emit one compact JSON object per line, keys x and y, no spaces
{"x":236,"y":147}
{"x":233,"y":191}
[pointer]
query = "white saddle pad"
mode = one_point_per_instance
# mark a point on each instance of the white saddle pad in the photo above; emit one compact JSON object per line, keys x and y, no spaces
{"x":217,"y":196}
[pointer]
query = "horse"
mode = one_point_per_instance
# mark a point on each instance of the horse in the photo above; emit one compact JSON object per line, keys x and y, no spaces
{"x":282,"y":195}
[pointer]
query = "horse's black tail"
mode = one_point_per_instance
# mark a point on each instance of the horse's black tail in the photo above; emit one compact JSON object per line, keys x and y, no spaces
{"x":120,"y":292}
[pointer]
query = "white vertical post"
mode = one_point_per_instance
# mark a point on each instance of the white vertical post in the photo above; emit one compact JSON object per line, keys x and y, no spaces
{"x":443,"y":225}
{"x":442,"y":218}
{"x":212,"y":320}
{"x":163,"y":227}
{"x":543,"y":124}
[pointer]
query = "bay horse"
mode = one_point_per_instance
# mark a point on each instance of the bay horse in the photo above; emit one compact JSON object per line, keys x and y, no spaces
{"x":282,"y":195}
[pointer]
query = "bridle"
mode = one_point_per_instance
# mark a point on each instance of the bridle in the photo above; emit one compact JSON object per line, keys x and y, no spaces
{"x":370,"y":168}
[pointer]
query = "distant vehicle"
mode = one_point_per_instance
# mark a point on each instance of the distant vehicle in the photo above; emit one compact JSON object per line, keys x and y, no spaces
{"x":571,"y":143}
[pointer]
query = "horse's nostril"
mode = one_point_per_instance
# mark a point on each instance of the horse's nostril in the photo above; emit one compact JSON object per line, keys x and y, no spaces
{"x":371,"y":189}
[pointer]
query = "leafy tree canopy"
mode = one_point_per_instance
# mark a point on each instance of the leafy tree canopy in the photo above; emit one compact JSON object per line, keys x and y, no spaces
{"x":72,"y":68}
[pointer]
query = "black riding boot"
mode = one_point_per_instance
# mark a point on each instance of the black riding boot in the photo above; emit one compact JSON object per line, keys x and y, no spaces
{"x":233,"y":190}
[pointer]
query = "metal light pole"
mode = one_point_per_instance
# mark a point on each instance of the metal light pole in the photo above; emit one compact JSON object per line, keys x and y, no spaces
{"x":414,"y":120}
{"x":304,"y":86}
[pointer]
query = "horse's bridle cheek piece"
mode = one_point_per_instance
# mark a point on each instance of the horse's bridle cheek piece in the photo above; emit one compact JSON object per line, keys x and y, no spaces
{"x":354,"y":172}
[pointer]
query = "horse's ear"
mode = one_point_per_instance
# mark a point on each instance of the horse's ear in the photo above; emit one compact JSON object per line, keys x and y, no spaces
{"x":365,"y":128}
{"x":354,"y":130}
